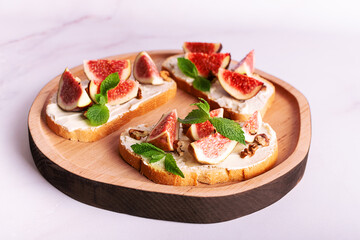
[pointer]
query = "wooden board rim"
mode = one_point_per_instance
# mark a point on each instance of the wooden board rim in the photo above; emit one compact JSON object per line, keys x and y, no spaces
{"x":125,"y":196}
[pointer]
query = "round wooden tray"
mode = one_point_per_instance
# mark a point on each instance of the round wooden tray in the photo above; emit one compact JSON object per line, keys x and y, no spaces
{"x":95,"y":174}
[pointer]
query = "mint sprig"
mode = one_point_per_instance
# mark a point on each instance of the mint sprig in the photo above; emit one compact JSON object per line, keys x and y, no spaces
{"x":155,"y":154}
{"x":99,"y":114}
{"x":189,"y":69}
{"x":197,"y":115}
{"x":226,"y":127}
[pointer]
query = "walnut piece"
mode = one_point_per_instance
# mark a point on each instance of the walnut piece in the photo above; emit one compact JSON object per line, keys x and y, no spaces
{"x":262,"y":139}
{"x":244,"y":153}
{"x":138,"y":134}
{"x":139,"y":94}
{"x":179,"y":147}
{"x":249,"y":151}
{"x":165,"y":75}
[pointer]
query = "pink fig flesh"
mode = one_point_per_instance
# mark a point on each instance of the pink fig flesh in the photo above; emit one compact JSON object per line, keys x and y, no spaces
{"x":202,"y":47}
{"x":239,"y":86}
{"x":209,"y":64}
{"x":212,"y":149}
{"x":145,"y":70}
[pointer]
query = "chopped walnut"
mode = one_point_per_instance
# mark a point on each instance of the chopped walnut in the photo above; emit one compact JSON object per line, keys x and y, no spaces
{"x":165,"y":75}
{"x":249,"y":151}
{"x":138,"y":134}
{"x":244,"y":153}
{"x":139,"y":94}
{"x":252,"y":148}
{"x":262,"y":140}
{"x":179,"y":147}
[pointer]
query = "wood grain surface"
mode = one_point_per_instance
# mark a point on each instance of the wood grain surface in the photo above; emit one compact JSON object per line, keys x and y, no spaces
{"x":95,"y":174}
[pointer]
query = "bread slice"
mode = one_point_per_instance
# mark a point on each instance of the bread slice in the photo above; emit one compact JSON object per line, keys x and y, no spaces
{"x":74,"y":126}
{"x":233,"y":168}
{"x":217,"y":97}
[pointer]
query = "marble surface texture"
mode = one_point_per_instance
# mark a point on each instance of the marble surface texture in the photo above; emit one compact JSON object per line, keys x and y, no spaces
{"x":313,"y":45}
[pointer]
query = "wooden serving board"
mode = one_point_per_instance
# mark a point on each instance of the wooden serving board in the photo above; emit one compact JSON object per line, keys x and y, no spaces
{"x":95,"y":174}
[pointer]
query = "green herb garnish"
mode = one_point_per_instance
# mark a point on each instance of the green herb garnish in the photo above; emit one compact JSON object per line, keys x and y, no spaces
{"x":171,"y":166}
{"x":99,"y":114}
{"x":189,"y":69}
{"x":226,"y":127}
{"x":155,"y":154}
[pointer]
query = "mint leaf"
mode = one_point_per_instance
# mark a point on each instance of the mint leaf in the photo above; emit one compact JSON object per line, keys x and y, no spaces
{"x":187,"y":67}
{"x":101,"y":99}
{"x":195,"y":116}
{"x":155,"y":154}
{"x":149,"y":151}
{"x":228,"y":128}
{"x":201,"y":84}
{"x":97,"y":114}
{"x":203,"y":105}
{"x":156,"y":157}
{"x":109,"y":83}
{"x":171,"y":166}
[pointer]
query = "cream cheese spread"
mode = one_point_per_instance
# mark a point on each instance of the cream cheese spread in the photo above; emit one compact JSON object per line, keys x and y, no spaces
{"x":218,"y":94}
{"x":232,"y":162}
{"x":75,"y":120}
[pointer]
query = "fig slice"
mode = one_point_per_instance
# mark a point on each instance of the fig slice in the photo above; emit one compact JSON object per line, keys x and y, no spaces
{"x":165,"y":132}
{"x":252,"y":126}
{"x":200,"y":130}
{"x":208,"y":65}
{"x":202,"y":47}
{"x":98,"y":70}
{"x":71,"y":96}
{"x":123,"y":92}
{"x":145,"y":70}
{"x":239,"y":86}
{"x":212,"y":149}
{"x":246,"y":65}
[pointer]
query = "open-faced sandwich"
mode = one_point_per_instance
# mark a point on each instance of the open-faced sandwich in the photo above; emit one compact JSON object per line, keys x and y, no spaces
{"x":203,"y":147}
{"x":90,"y":109}
{"x":202,"y":72}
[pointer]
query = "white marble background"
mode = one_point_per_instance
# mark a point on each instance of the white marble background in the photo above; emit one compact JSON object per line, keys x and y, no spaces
{"x":313,"y":45}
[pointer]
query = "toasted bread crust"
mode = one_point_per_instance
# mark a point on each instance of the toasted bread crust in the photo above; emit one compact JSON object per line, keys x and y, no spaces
{"x":193,"y":177}
{"x":228,"y":113}
{"x":94,"y":134}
